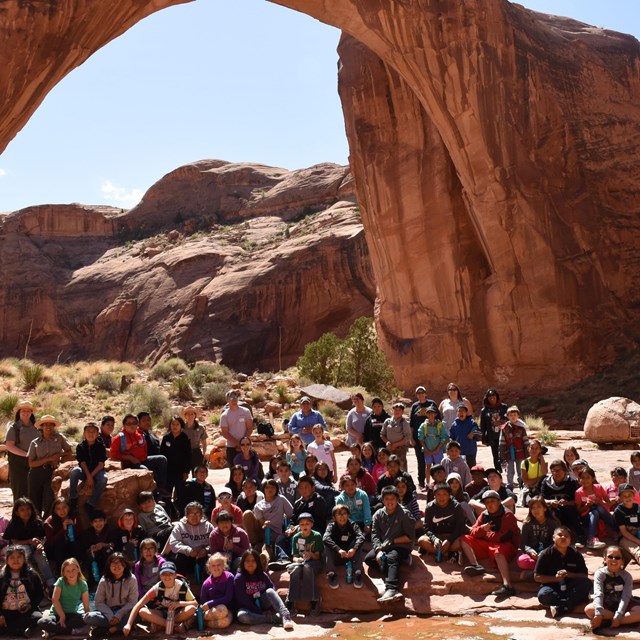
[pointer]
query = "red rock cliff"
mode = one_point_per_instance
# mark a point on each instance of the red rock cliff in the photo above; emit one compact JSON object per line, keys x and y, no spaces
{"x":495,"y":152}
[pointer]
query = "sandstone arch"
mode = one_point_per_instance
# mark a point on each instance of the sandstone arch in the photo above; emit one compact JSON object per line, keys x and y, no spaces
{"x":495,"y":152}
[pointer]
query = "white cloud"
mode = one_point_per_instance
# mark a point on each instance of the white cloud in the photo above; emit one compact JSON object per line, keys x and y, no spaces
{"x":121,"y":195}
{"x":2,"y":173}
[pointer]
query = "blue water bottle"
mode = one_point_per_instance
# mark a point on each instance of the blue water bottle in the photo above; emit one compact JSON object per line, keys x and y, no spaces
{"x":267,"y":536}
{"x":512,"y":452}
{"x":563,"y":586}
{"x":197,"y":573}
{"x":71,"y":534}
{"x":349,"y":572}
{"x":438,"y":554}
{"x":95,"y":570}
{"x":256,"y":598}
{"x":200,"y":618}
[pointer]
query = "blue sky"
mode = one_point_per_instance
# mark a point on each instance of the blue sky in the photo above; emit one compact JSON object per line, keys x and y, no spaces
{"x":238,"y":80}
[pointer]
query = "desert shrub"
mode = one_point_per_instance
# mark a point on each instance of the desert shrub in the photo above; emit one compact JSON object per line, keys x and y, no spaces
{"x":169,"y":369}
{"x":8,"y":405}
{"x":49,"y":386}
{"x":214,"y":419}
{"x":257,"y":395}
{"x":330,"y":410}
{"x":537,"y":424}
{"x":106,"y":382}
{"x":145,"y":398}
{"x":281,"y":393}
{"x":31,"y":375}
{"x":181,"y":389}
{"x":205,"y":372}
{"x":8,"y":368}
{"x":213,"y":394}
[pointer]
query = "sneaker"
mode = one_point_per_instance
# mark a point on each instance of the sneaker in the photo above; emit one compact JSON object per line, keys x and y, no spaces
{"x":595,"y":543}
{"x":357,"y":580}
{"x":556,"y":612}
{"x":291,"y":606}
{"x":278,"y":565}
{"x":80,"y":631}
{"x":315,"y":608}
{"x":390,"y":595}
{"x":504,"y":592}
{"x":473,"y":570}
{"x":99,"y":633}
{"x":287,"y":622}
{"x":333,"y":580}
{"x":276,"y":619}
{"x":33,"y":632}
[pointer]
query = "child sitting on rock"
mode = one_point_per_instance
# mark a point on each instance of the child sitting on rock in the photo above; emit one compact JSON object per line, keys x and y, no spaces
{"x":444,"y":524}
{"x":153,"y":518}
{"x":495,"y":535}
{"x":343,"y":540}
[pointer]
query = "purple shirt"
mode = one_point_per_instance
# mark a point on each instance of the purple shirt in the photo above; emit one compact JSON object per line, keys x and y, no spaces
{"x":218,"y":590}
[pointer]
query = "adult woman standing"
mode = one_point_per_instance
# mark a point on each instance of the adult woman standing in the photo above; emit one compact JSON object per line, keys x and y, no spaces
{"x":19,"y":437}
{"x":449,"y":406}
{"x":176,"y":448}
{"x":44,"y":454}
{"x":356,"y":419}
{"x":196,"y":433}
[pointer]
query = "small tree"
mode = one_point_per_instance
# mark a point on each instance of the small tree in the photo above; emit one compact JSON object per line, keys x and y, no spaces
{"x":354,"y":361}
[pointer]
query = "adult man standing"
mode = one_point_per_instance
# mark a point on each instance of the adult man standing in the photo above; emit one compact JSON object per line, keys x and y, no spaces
{"x":417,"y":416}
{"x":130,"y":447}
{"x":302,"y":421}
{"x":236,"y":422}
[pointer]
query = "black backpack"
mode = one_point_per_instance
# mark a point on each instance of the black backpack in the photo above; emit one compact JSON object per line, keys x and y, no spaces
{"x":266,"y":429}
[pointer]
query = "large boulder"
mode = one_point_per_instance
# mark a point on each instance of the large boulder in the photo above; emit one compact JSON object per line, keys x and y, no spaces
{"x":123,"y":487}
{"x":614,"y":420}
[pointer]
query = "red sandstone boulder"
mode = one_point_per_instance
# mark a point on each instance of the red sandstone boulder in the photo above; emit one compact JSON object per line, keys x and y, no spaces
{"x":612,"y":421}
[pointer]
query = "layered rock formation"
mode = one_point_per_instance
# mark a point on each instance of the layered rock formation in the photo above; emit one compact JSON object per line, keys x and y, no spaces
{"x":266,"y":261}
{"x":495,"y":152}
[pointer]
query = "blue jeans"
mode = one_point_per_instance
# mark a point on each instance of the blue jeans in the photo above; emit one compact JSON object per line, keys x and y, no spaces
{"x":269,"y":600}
{"x":99,"y":484}
{"x":592,"y":518}
{"x":577,"y":591}
{"x":513,"y":467}
{"x":96,"y":619}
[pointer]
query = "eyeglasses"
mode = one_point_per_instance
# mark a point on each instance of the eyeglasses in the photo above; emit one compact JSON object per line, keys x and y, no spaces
{"x":130,"y":424}
{"x":614,"y":557}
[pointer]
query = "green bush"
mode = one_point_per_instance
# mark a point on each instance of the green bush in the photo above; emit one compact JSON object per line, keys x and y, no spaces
{"x":144,"y":398}
{"x":330,"y":410}
{"x":169,"y":369}
{"x":32,"y":374}
{"x":8,"y":405}
{"x":257,"y":395}
{"x":204,"y":372}
{"x":106,"y":382}
{"x":281,"y":393}
{"x":213,"y":394}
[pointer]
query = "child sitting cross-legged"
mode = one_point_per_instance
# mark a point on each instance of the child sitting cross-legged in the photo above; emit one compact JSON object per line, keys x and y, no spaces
{"x":116,"y":596}
{"x":495,"y":535}
{"x":169,"y":594}
{"x":216,"y":594}
{"x":537,"y":534}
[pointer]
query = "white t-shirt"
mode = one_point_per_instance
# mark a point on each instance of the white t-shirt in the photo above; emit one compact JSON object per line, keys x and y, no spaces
{"x":322,"y":452}
{"x":236,"y":420}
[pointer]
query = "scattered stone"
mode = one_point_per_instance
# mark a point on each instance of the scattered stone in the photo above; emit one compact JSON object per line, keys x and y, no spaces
{"x":329,"y":394}
{"x":614,"y":420}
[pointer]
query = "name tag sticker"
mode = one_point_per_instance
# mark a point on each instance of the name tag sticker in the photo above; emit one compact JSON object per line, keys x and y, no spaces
{"x":235,"y":540}
{"x":154,"y":570}
{"x":618,"y":587}
{"x":301,"y":544}
{"x":633,"y":519}
{"x":310,"y":504}
{"x":344,"y":538}
{"x":359,"y":502}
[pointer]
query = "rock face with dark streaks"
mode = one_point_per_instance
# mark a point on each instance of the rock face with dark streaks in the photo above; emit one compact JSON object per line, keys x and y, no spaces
{"x":265,"y":261}
{"x":496,"y":158}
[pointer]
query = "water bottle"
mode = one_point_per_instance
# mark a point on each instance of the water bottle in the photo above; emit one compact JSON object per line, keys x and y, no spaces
{"x":197,"y":572}
{"x":71,"y":534}
{"x":540,"y":546}
{"x":349,"y":572}
{"x":512,"y":452}
{"x":383,"y":559}
{"x":200,"y":618}
{"x":563,"y":586}
{"x":95,"y":570}
{"x":638,"y":533}
{"x":171,"y":615}
{"x":256,"y":599}
{"x":267,"y":536}
{"x":438,"y":554}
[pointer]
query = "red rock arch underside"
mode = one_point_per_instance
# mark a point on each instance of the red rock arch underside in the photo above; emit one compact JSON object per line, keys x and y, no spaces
{"x":495,"y":153}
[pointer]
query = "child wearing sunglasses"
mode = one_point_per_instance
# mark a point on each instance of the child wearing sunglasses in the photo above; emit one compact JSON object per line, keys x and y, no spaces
{"x":613,"y":602}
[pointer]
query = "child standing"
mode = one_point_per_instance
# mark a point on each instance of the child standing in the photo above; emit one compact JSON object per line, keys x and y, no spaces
{"x":513,"y":445}
{"x":465,"y":430}
{"x":69,"y":603}
{"x":532,"y":470}
{"x":116,"y":596}
{"x":322,"y":449}
{"x":170,"y":594}
{"x":20,"y":593}
{"x":613,"y":603}
{"x":91,"y":455}
{"x":296,"y":455}
{"x":216,"y":595}
{"x":307,"y":550}
{"x":433,"y":436}
{"x":396,"y":434}
{"x":453,"y":462}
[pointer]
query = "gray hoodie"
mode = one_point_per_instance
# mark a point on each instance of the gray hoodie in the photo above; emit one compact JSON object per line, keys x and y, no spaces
{"x":121,"y":595}
{"x":185,"y":538}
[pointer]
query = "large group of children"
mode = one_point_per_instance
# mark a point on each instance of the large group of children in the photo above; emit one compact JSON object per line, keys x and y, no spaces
{"x":303,"y":514}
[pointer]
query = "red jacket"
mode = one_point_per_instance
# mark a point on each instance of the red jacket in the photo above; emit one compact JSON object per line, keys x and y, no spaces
{"x":124,"y":442}
{"x":505,"y":528}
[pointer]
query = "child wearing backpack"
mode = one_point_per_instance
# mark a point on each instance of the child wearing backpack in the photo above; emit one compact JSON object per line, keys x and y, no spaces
{"x":532,"y":470}
{"x":170,"y":594}
{"x":513,"y":445}
{"x":432,"y":435}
